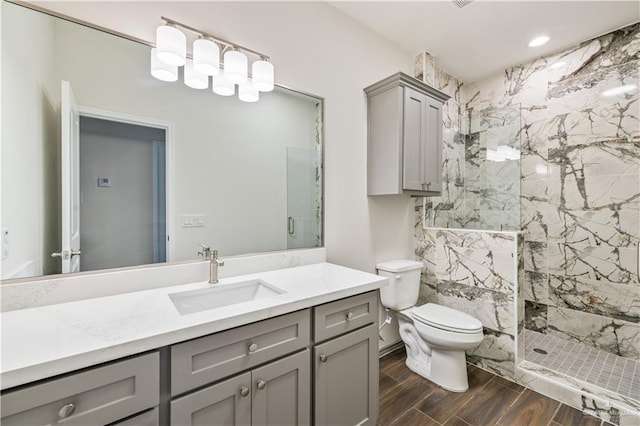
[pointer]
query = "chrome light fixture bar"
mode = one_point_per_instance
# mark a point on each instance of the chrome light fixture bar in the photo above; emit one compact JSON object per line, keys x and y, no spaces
{"x":171,"y":52}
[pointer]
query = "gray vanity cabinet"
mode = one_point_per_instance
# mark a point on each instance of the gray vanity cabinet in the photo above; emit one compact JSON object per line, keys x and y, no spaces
{"x":266,"y":368}
{"x":276,"y":394}
{"x":225,"y":403}
{"x":96,"y":396}
{"x":404,"y":148}
{"x":346,"y":367}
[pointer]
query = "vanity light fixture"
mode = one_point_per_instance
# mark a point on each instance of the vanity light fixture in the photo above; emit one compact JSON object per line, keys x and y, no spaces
{"x":539,"y":41}
{"x":171,"y":52}
{"x":262,"y":74}
{"x":222,"y":86}
{"x":162,"y":71}
{"x":171,"y":45}
{"x":193,"y":78}
{"x":206,"y":56}
{"x":236,"y":66}
{"x":247,"y":92}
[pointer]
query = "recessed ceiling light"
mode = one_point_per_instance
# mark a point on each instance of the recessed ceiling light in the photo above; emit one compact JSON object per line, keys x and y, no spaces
{"x":619,"y":90}
{"x":558,"y":65}
{"x":538,"y":41}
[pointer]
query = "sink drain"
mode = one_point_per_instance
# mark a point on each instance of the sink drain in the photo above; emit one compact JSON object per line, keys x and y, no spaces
{"x":540,"y":351}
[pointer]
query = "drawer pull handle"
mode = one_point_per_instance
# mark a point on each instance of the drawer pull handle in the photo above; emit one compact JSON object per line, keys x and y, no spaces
{"x":262,"y":384}
{"x":323,"y":358}
{"x":350,"y":316}
{"x":66,"y":410}
{"x":253,"y":347}
{"x":244,"y":391}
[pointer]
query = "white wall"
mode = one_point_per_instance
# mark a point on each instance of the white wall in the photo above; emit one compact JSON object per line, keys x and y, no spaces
{"x":30,"y":97}
{"x":317,"y":49}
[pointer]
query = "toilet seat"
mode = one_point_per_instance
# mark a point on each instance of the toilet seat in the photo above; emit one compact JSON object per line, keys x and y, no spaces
{"x":445,"y":318}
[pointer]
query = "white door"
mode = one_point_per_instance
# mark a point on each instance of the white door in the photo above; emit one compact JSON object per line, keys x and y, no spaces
{"x":70,"y":166}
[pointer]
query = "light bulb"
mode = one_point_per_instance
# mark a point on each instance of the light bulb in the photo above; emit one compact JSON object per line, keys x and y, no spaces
{"x":193,"y":78}
{"x":222,"y":86}
{"x":247,"y":92}
{"x":262,"y":75}
{"x":235,"y":66}
{"x":171,"y":45}
{"x":206,"y":56}
{"x":162,"y":71}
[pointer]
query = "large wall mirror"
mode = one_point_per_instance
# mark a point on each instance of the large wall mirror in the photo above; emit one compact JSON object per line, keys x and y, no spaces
{"x":160,"y":167}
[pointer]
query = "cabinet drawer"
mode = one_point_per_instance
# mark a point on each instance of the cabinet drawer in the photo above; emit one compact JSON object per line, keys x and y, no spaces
{"x":148,"y":418}
{"x":335,"y":318}
{"x":98,"y":396}
{"x":220,"y":355}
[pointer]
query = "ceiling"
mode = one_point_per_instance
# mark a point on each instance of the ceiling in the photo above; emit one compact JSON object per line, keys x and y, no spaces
{"x":487,"y":36}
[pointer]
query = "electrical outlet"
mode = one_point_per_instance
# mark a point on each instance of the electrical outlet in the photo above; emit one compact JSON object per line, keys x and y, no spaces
{"x":5,"y":243}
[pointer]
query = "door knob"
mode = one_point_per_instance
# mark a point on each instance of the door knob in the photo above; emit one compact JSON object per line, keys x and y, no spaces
{"x":244,"y":391}
{"x":262,"y":384}
{"x":323,"y":358}
{"x":253,"y":347}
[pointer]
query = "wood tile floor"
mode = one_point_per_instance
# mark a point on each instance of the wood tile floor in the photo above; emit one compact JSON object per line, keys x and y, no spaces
{"x":407,"y":399}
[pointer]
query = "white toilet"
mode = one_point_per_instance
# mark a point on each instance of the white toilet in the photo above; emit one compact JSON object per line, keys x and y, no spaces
{"x":435,"y":336}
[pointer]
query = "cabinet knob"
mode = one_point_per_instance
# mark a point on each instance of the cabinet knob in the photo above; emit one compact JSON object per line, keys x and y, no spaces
{"x":253,"y":347}
{"x":350,"y":316}
{"x":66,"y":410}
{"x":262,"y":384}
{"x":323,"y":358}
{"x":244,"y":391}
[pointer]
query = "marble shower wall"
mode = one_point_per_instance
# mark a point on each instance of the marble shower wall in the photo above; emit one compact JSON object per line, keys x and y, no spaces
{"x":580,"y":183}
{"x":475,"y":272}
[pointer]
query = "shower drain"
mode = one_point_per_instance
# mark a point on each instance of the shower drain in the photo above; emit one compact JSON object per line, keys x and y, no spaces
{"x":540,"y":351}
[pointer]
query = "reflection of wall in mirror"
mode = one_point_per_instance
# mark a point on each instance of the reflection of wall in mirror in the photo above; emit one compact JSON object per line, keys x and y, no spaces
{"x":30,"y":176}
{"x":229,"y":156}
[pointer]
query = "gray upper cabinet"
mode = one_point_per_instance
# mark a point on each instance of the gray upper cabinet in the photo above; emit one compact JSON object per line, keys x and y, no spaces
{"x":404,"y":149}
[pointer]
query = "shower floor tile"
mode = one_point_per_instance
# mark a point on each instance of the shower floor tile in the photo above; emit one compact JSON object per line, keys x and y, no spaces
{"x":603,"y":369}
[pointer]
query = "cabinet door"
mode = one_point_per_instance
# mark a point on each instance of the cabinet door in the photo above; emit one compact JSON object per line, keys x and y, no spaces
{"x":432,"y":157}
{"x":282,"y":392}
{"x":346,"y":379}
{"x":224,"y":404}
{"x":414,"y":139}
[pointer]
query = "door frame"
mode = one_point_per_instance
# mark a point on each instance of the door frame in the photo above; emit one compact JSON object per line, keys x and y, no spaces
{"x":168,"y":127}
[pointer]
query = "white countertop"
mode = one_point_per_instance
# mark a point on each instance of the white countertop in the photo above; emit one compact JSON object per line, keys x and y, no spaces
{"x":48,"y":340}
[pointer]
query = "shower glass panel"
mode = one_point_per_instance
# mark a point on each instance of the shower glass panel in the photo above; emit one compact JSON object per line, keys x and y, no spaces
{"x":481,"y":176}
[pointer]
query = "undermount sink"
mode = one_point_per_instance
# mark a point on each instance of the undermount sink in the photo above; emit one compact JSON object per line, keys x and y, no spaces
{"x":219,"y":295}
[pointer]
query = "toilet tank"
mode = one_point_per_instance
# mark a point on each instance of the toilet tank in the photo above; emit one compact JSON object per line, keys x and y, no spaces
{"x":404,"y":283}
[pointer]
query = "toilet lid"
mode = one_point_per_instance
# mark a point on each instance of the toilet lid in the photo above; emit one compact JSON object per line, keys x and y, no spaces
{"x":446,"y":318}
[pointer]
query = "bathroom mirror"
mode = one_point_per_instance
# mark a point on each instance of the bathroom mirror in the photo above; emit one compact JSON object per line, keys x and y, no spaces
{"x":161,"y":168}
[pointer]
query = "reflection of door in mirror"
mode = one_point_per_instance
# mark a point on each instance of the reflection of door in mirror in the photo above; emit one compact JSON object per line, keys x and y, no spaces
{"x":123,"y":193}
{"x":70,"y":167}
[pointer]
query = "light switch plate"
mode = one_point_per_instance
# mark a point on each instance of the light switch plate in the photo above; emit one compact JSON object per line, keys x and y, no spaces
{"x":193,"y":220}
